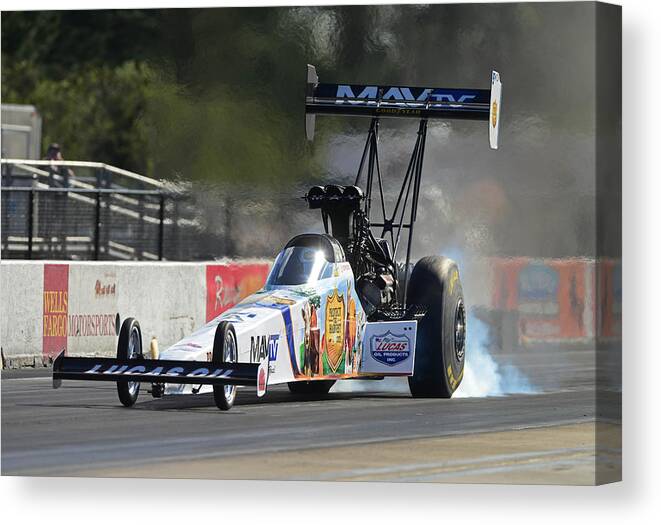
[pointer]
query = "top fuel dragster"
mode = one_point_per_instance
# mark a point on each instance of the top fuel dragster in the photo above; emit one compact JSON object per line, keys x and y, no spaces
{"x":337,"y":305}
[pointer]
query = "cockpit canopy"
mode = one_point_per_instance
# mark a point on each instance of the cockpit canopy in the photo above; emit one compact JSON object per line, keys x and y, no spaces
{"x":306,"y":259}
{"x":299,"y":265}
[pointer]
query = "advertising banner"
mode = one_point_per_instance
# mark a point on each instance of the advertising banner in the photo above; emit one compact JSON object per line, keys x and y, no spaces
{"x":554,"y":298}
{"x":55,"y":308}
{"x":93,"y":320}
{"x":227,"y":284}
{"x":610,"y":295}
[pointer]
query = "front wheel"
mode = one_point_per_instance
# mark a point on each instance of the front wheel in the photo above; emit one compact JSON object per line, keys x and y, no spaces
{"x":225,"y":350}
{"x":129,"y":346}
{"x":441,"y":335}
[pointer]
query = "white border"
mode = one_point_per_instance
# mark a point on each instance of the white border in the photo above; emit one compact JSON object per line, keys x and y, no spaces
{"x":33,"y":500}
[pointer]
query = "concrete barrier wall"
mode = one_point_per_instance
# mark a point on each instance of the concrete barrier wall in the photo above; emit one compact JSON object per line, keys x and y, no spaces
{"x":46,"y":307}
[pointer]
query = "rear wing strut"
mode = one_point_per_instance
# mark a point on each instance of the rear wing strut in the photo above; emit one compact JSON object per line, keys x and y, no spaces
{"x":402,"y":102}
{"x":159,"y":371}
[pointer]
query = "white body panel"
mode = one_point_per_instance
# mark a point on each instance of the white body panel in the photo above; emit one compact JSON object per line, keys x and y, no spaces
{"x":313,"y":331}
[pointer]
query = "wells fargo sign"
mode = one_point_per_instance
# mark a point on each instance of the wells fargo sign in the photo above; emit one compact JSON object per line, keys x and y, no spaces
{"x":56,"y":308}
{"x":78,"y":304}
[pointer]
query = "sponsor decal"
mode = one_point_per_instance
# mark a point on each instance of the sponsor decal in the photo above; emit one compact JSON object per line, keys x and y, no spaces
{"x":264,"y":347}
{"x":397,"y":110}
{"x":85,"y":325}
{"x":453,"y":279}
{"x":56,"y":308}
{"x":273,"y":347}
{"x":335,"y":329}
{"x":160,"y":371}
{"x":404,"y":95}
{"x":92,"y":317}
{"x":62,"y":328}
{"x":258,"y":349}
{"x":104,"y":289}
{"x":262,"y":379}
{"x":390,"y":348}
{"x":454,"y":381}
{"x":494,"y":113}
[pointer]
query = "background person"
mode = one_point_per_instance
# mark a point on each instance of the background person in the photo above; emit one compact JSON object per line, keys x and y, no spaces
{"x":59,"y":176}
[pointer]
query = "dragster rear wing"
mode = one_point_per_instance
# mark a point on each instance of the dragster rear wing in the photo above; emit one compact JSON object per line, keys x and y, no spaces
{"x":403,"y":102}
{"x":160,"y":371}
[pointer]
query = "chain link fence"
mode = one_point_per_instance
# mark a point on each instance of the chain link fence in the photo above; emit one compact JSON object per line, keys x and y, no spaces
{"x":103,"y":213}
{"x":72,"y":210}
{"x":85,"y":224}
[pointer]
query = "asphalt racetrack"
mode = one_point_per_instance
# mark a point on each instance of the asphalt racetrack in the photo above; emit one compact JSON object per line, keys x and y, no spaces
{"x":81,"y":429}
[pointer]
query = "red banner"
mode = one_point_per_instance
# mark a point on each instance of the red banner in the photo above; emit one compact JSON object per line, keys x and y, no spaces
{"x":610,"y":295}
{"x":229,"y":284}
{"x":56,"y":308}
{"x":553,"y":297}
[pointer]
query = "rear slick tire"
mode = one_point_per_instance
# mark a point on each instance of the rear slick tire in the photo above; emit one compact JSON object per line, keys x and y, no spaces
{"x":441,"y":334}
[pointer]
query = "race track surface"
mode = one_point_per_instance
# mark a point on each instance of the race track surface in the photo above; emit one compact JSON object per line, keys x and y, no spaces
{"x":81,"y":429}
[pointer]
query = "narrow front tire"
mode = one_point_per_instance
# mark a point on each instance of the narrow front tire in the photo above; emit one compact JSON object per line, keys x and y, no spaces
{"x":129,"y":346}
{"x":225,"y":350}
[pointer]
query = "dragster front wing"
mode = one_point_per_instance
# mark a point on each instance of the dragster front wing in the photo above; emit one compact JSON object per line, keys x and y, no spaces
{"x":160,"y":371}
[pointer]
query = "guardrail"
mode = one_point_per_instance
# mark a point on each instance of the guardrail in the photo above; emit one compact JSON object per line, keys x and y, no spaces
{"x":201,"y":221}
{"x":80,"y":210}
{"x":56,"y":173}
{"x":84,"y":223}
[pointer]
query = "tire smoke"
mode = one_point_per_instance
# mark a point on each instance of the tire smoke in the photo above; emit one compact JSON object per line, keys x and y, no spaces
{"x":483,"y":376}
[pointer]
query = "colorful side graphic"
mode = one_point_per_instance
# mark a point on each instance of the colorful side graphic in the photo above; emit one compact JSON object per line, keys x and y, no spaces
{"x":335,"y":329}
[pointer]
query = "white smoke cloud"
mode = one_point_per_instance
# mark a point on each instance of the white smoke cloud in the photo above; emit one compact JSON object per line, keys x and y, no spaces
{"x":482,"y":375}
